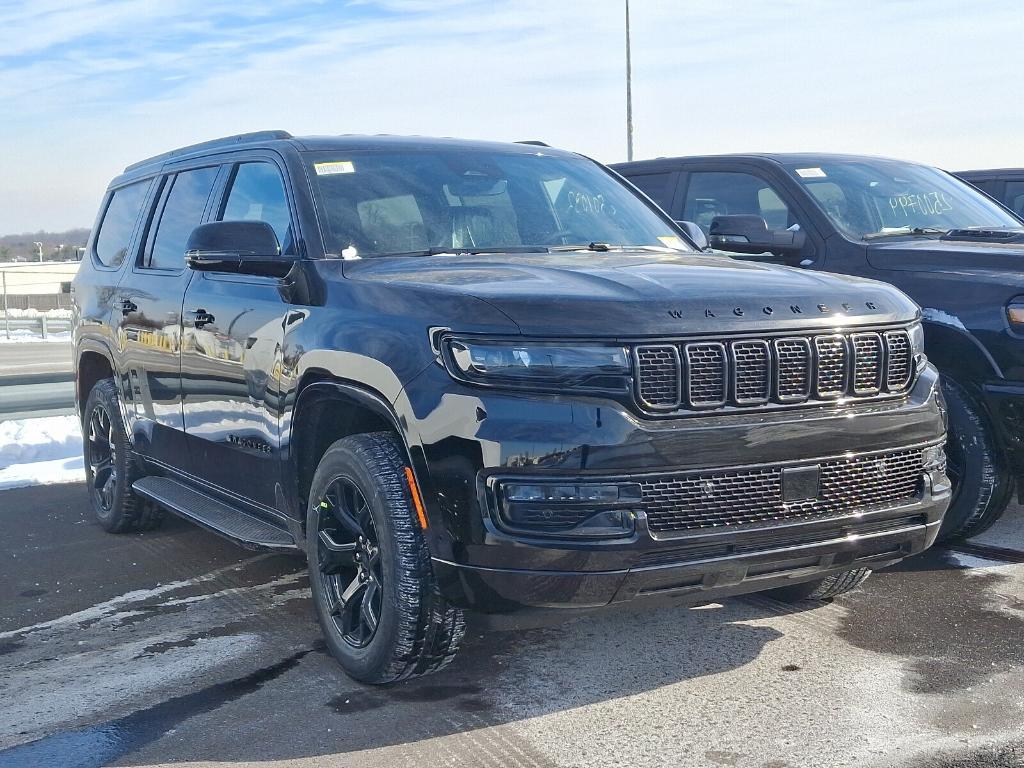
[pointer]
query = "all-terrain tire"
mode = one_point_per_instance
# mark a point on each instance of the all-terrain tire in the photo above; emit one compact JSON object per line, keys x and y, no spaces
{"x":418,"y":631}
{"x":821,"y":589}
{"x":111,"y":465}
{"x":984,"y":487}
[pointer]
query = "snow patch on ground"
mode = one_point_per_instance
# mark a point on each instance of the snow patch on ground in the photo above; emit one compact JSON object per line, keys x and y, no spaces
{"x":40,"y":451}
{"x":24,"y":335}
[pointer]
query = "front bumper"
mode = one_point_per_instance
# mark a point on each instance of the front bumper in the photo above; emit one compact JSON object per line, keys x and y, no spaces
{"x":468,"y":438}
{"x":747,"y":561}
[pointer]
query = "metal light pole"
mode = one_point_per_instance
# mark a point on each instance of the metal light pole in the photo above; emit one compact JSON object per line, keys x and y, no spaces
{"x":39,"y":249}
{"x":629,"y":93}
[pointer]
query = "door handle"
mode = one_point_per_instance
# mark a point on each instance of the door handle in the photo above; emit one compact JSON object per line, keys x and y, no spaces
{"x":201,"y":317}
{"x":128,"y":306}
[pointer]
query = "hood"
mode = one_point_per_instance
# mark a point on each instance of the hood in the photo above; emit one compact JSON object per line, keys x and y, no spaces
{"x":632,"y":294}
{"x":927,"y":254}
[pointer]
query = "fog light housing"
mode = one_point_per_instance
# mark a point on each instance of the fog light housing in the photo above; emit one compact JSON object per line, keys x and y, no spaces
{"x":934,"y":458}
{"x":573,"y":510}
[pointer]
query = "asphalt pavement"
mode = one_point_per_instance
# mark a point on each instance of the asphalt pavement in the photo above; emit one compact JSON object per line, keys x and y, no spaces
{"x":175,"y":647}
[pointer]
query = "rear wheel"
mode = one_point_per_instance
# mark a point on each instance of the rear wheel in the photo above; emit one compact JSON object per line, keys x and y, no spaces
{"x":110,"y":465}
{"x":982,"y":486}
{"x":821,"y":589}
{"x":382,"y":614}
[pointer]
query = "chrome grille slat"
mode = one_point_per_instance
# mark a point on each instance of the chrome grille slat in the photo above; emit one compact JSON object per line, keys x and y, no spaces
{"x":720,"y":499}
{"x":787,"y":370}
{"x":830,"y":365}
{"x":898,"y":360}
{"x":868,"y":356}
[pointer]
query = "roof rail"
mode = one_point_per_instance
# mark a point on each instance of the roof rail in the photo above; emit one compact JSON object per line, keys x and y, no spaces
{"x":534,"y":142}
{"x":227,"y":141}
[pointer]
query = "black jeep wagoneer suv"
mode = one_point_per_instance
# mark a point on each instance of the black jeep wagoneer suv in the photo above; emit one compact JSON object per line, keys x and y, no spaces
{"x":466,"y":375}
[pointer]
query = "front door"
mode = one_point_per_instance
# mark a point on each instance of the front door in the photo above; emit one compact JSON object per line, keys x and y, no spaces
{"x":148,"y":311}
{"x":231,"y":351}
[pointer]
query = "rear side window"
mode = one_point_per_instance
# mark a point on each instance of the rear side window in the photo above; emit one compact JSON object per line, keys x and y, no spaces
{"x":118,"y":223}
{"x":183,"y":207}
{"x":655,"y":186}
{"x":257,"y":194}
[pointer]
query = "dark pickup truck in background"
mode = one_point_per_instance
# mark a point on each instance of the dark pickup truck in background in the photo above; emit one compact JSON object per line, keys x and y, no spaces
{"x":1004,"y":184}
{"x":955,"y":251}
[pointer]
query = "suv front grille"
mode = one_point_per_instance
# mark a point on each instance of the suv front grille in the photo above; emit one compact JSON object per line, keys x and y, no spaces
{"x":745,"y":372}
{"x":721,"y":499}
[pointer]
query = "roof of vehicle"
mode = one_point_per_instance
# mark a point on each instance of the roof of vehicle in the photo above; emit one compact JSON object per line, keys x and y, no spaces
{"x":784,"y":158}
{"x":345,"y":142}
{"x":991,"y":172}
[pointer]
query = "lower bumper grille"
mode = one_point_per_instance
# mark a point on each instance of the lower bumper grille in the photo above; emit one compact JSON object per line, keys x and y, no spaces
{"x":725,"y":499}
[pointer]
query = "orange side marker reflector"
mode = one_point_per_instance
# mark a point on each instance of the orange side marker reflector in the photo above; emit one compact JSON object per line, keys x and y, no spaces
{"x":417,"y":502}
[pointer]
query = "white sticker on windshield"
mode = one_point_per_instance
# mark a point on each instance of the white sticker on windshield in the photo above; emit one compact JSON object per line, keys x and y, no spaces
{"x":671,"y":241}
{"x":810,"y":173}
{"x":337,"y":166}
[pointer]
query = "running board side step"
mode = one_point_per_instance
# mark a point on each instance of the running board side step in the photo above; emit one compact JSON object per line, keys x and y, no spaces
{"x":213,"y":514}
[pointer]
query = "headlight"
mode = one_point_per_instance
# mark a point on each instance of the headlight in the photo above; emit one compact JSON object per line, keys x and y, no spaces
{"x":1015,"y":313}
{"x":917,"y":345}
{"x":538,"y":365}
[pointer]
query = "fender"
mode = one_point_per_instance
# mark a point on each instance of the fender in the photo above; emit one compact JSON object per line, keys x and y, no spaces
{"x":364,"y":397}
{"x":955,"y":351}
{"x":99,"y":346}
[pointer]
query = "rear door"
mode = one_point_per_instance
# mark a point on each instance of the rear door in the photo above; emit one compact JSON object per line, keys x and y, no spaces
{"x":147,"y":311}
{"x":232,"y":346}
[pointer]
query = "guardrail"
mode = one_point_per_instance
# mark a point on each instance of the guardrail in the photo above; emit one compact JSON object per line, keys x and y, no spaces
{"x":41,"y":325}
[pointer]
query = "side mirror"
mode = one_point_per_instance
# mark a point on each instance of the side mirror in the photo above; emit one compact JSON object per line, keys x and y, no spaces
{"x":695,"y":233}
{"x":241,"y":247}
{"x":750,"y":234}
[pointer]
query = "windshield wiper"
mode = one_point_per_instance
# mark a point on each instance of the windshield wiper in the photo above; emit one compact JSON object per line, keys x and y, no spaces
{"x":465,"y":251}
{"x":896,"y":231}
{"x":600,"y":247}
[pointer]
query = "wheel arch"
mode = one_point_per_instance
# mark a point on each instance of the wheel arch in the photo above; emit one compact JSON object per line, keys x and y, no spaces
{"x":957,"y":354}
{"x":93,"y":363}
{"x":328,"y":409}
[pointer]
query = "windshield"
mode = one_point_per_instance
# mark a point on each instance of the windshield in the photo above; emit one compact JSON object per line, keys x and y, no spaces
{"x":375,"y":203}
{"x":875,"y":198}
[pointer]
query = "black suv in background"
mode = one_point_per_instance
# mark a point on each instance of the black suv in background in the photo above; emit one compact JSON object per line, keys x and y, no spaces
{"x":953,"y":250}
{"x":464,"y":375}
{"x":1004,"y":184}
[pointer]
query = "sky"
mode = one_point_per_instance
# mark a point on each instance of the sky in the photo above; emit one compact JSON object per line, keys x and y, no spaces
{"x":89,"y":86}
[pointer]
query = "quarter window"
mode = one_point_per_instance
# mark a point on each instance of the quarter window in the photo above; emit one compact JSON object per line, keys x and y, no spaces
{"x":115,"y":234}
{"x":727,"y":194}
{"x":257,"y":194}
{"x":182,"y":212}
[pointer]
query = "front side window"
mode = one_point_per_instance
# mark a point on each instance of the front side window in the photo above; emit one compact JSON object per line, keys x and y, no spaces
{"x":183,"y":202}
{"x":257,"y":194}
{"x":406,"y":202}
{"x":868,"y":199}
{"x":1014,"y":197}
{"x":118,"y":225}
{"x":711,"y":194}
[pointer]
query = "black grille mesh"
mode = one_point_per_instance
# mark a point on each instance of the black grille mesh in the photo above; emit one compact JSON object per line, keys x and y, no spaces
{"x":752,"y":497}
{"x":750,"y":372}
{"x":705,"y":374}
{"x":659,"y":385}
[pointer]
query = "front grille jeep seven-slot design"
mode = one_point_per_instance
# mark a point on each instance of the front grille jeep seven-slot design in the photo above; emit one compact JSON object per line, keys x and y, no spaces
{"x":785,"y":370}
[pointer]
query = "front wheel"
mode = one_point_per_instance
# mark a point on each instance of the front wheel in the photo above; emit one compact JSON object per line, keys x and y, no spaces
{"x":982,"y":485}
{"x":821,"y":589}
{"x":382,"y":614}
